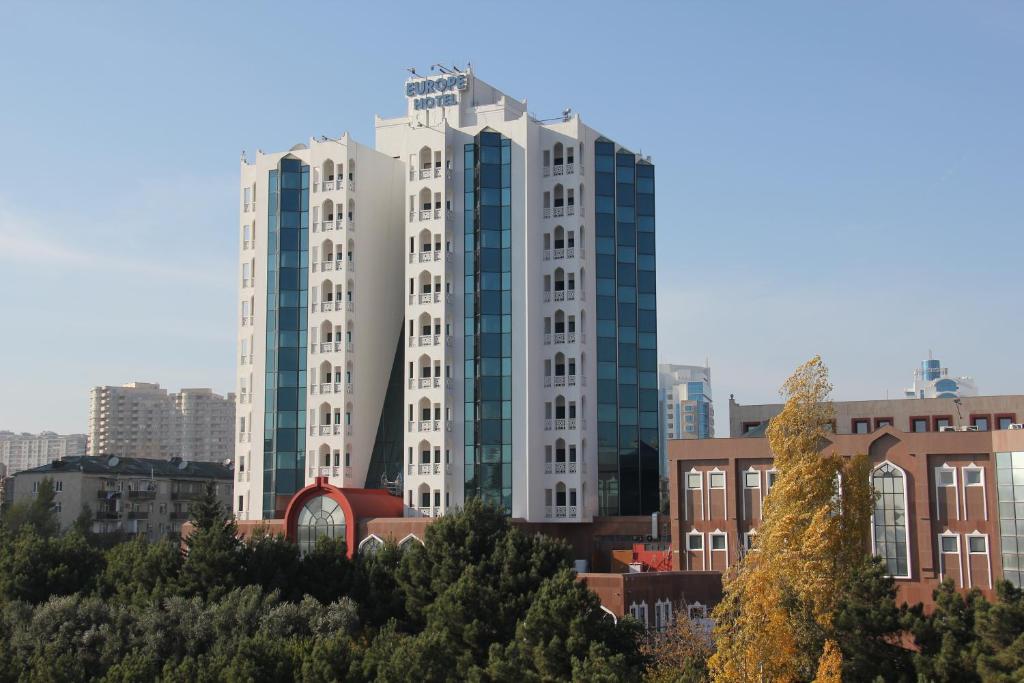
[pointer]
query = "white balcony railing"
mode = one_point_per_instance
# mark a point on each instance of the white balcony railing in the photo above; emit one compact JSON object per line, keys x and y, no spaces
{"x":558,"y":169}
{"x":325,"y":430}
{"x":558,"y":211}
{"x":424,"y":468}
{"x":327,"y":185}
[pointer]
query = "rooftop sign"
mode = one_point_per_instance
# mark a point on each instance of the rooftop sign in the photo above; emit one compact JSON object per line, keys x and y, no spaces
{"x":436,"y":92}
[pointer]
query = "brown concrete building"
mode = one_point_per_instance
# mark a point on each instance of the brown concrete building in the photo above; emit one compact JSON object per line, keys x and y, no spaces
{"x":985,"y":413}
{"x":951,"y":503}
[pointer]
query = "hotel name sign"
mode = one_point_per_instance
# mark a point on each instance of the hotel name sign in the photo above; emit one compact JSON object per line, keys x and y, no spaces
{"x":442,"y":91}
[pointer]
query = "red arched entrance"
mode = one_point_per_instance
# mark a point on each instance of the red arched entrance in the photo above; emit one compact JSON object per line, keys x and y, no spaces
{"x":357,"y":505}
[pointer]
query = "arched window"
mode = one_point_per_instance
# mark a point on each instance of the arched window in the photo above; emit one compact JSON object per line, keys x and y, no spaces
{"x":320,"y":516}
{"x":889,"y":523}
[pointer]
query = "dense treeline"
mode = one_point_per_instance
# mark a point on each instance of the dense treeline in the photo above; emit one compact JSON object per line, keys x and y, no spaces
{"x":479,"y":600}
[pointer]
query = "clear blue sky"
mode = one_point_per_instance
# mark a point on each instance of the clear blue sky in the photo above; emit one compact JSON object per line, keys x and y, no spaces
{"x":836,"y":178}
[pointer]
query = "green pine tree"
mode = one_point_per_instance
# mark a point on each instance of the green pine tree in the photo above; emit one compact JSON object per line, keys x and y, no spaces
{"x":214,"y":557}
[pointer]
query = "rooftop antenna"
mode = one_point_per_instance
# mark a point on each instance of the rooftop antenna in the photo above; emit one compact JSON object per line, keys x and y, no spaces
{"x":439,"y":67}
{"x":412,"y":70}
{"x":566,"y":113}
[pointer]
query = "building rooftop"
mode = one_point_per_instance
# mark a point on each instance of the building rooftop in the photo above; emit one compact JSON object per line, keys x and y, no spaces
{"x":136,"y":467}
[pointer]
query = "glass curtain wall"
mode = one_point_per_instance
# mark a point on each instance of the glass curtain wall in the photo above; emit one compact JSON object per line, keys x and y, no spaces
{"x":284,"y":436}
{"x":627,"y":391}
{"x":488,"y":319}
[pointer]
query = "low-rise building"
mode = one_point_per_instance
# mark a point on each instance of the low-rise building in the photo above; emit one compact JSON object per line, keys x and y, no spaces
{"x":950,"y":504}
{"x":141,"y":496}
{"x":972,"y":413}
{"x":24,"y":451}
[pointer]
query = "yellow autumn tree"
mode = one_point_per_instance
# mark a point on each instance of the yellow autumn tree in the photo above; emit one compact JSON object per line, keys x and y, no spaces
{"x":776,"y":612}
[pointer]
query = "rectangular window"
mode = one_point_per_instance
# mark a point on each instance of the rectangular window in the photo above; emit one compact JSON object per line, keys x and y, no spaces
{"x":693,"y":480}
{"x":945,"y":477}
{"x":694,"y":542}
{"x":241,"y":503}
{"x":977,"y":545}
{"x":772,"y":476}
{"x":950,"y":544}
{"x":861,"y":426}
{"x":718,"y":541}
{"x":883,"y":422}
{"x":748,"y":540}
{"x":716,"y":480}
{"x":943,"y":423}
{"x":919,"y":424}
{"x":972,"y":476}
{"x":752,"y":480}
{"x":1004,"y":421}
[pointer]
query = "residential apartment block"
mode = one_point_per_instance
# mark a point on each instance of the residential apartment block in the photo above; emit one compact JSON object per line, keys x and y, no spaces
{"x":24,"y":451}
{"x":466,"y":309}
{"x":139,"y":496}
{"x":141,"y":419}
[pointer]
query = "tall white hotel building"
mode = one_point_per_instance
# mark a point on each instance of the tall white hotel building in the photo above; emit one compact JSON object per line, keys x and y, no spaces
{"x":467,"y":309}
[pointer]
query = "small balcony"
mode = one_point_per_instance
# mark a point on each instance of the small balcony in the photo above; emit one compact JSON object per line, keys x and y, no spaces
{"x":142,"y":495}
{"x":138,"y":514}
{"x":425,"y":426}
{"x":328,"y":185}
{"x":426,"y":256}
{"x":327,"y":226}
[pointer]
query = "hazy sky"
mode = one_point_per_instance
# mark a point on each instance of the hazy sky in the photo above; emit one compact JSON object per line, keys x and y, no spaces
{"x":836,"y":178}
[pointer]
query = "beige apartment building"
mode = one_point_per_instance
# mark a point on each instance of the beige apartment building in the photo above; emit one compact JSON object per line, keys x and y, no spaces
{"x":141,"y":419}
{"x":24,"y":451}
{"x":139,"y":496}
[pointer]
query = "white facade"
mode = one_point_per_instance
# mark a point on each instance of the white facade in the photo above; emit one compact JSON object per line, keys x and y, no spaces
{"x":416,"y":282}
{"x":354,"y":260}
{"x":24,"y":451}
{"x":431,"y":143}
{"x":141,"y":419}
{"x":932,"y":380}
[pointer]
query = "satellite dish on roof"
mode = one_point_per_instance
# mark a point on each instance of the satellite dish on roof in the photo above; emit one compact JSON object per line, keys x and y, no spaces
{"x":113,"y":461}
{"x":183,"y":464}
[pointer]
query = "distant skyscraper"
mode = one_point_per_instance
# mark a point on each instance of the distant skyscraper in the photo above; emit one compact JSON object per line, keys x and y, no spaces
{"x":24,"y":451}
{"x":684,"y":399}
{"x":467,"y":310}
{"x":141,"y":419}
{"x":932,"y":380}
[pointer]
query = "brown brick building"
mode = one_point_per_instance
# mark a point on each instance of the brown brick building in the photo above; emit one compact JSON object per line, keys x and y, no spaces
{"x":951,"y":503}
